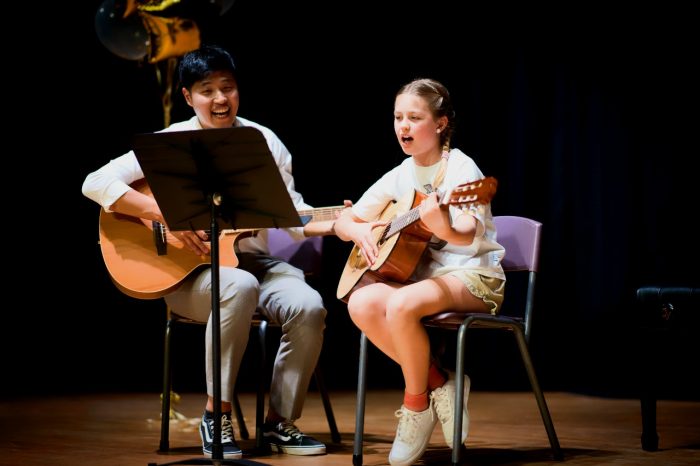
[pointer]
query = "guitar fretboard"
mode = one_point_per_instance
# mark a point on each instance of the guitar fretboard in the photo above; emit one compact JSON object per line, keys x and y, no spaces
{"x":400,"y":223}
{"x":405,"y":220}
{"x":321,"y":213}
{"x":317,"y":215}
{"x":480,"y":191}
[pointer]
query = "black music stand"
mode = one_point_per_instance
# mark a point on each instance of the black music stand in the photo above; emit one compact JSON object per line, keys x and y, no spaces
{"x":208,"y":179}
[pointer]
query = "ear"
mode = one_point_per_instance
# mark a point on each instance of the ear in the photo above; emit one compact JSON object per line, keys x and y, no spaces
{"x":442,"y":123}
{"x":188,"y":96}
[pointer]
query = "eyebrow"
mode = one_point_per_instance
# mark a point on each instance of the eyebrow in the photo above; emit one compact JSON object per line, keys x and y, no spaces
{"x":208,"y":81}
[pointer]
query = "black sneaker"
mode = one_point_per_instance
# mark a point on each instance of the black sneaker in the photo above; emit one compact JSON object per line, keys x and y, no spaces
{"x":285,"y":437}
{"x":206,"y":431}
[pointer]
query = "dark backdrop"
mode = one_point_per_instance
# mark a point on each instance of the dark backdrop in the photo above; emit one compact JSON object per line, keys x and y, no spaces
{"x":585,"y":117}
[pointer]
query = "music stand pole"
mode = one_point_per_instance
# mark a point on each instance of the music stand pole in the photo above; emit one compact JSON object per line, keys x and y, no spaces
{"x":217,"y":448}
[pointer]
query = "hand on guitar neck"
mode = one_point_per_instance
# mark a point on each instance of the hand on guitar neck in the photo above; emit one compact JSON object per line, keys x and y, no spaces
{"x":389,"y":249}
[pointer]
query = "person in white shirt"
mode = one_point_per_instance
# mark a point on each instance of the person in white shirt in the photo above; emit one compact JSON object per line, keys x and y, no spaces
{"x":210,"y":87}
{"x":459,"y":270}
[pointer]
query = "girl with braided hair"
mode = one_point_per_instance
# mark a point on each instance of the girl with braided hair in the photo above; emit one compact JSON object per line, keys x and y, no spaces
{"x":460,"y":269}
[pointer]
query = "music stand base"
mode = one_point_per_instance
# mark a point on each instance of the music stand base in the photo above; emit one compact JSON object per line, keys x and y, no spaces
{"x":212,"y":461}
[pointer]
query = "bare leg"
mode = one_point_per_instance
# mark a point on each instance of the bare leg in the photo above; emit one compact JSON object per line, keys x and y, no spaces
{"x":225,"y":405}
{"x":391,"y":315}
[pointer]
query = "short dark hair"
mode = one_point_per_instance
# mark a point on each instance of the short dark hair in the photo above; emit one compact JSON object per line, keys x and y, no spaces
{"x":200,"y":63}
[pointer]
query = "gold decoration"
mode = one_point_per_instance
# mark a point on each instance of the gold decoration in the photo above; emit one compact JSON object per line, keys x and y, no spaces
{"x":167,"y":85}
{"x":155,"y":5}
{"x":130,"y":8}
{"x":174,"y":399}
{"x":170,"y":37}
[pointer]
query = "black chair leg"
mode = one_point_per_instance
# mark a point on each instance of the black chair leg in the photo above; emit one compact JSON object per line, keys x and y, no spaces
{"x":335,"y":435}
{"x":541,"y":403}
{"x":260,"y":399}
{"x":650,"y":349}
{"x":242,"y":428}
{"x":167,"y":387}
{"x":650,"y":437}
{"x":360,"y":404}
{"x":459,"y":390}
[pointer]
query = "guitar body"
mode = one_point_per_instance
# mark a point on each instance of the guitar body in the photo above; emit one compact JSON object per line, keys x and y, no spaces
{"x":398,"y":255}
{"x":136,"y":268}
{"x":129,"y":251}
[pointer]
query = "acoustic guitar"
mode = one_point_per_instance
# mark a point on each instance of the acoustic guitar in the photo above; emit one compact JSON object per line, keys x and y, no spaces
{"x":146,"y":261}
{"x":403,"y":240}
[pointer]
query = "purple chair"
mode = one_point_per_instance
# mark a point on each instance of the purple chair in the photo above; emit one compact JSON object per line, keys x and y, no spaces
{"x":521,"y":238}
{"x":305,"y":255}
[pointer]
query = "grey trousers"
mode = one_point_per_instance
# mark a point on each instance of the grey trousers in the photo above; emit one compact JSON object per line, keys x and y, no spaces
{"x":280,"y":292}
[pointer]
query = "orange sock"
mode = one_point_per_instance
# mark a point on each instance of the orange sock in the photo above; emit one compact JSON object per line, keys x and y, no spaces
{"x":436,"y":378}
{"x":416,"y":403}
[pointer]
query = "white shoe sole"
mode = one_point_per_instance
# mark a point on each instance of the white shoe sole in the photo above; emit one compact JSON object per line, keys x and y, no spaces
{"x":298,"y":451}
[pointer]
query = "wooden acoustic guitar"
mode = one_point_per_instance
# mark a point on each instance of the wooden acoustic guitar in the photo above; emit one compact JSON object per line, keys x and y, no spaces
{"x":146,"y":261}
{"x":403,"y":240}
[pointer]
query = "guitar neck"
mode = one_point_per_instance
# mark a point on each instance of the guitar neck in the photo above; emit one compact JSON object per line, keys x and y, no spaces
{"x":475,"y":192}
{"x":322,"y":213}
{"x":401,"y":222}
{"x":317,"y":215}
{"x":404,"y":220}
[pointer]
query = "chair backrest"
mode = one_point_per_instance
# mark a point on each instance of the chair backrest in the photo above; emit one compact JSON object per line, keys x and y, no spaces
{"x":520,"y":236}
{"x":304,"y":254}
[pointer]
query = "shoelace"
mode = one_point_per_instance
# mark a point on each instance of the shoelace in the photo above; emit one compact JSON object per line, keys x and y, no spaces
{"x":408,"y":424}
{"x":442,"y":404}
{"x":226,"y":429}
{"x":290,"y":429}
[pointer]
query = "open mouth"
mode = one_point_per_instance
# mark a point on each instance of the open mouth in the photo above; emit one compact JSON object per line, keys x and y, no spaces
{"x":221,"y":114}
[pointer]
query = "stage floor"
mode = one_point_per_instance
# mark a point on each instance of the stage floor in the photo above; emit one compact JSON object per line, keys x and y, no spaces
{"x":506,"y":429}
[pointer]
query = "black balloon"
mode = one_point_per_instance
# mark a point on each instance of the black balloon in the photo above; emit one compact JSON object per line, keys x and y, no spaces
{"x":226,"y":5}
{"x":124,"y":37}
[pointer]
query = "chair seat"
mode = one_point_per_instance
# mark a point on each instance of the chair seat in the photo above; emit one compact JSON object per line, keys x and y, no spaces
{"x":453,"y":320}
{"x":257,"y":319}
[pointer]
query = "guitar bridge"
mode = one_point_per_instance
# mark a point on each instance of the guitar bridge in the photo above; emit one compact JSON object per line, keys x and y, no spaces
{"x":159,"y":238}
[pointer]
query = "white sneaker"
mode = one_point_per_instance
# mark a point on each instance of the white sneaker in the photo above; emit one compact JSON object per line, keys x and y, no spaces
{"x":412,"y":435}
{"x":443,"y":401}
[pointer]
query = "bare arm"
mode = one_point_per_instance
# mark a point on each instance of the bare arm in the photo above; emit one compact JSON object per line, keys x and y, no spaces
{"x":349,"y":227}
{"x":139,"y":205}
{"x":324,"y":227}
{"x":437,"y":219}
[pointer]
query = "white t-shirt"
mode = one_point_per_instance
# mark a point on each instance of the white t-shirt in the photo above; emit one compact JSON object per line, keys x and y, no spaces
{"x":484,"y":255}
{"x":111,"y":181}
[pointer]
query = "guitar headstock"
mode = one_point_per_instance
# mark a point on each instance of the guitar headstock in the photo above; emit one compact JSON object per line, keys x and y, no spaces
{"x":474,"y":192}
